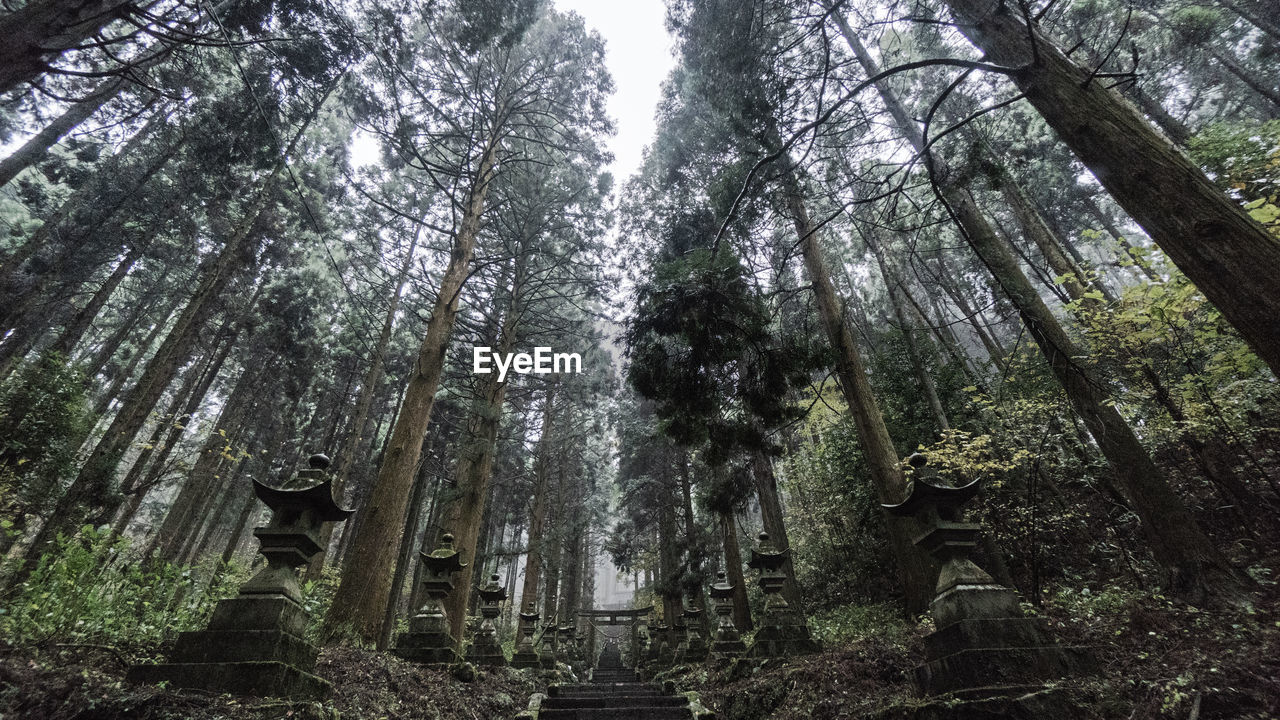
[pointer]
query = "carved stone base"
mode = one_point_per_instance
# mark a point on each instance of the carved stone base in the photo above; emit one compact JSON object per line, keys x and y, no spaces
{"x":525,"y":659}
{"x":979,"y":655}
{"x":432,"y":648}
{"x":695,"y":650}
{"x":782,"y":634}
{"x":729,"y":647}
{"x":485,"y":650}
{"x":665,"y":655}
{"x":254,"y":646}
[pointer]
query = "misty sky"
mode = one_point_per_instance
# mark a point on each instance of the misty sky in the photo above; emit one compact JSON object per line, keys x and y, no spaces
{"x":639,"y":57}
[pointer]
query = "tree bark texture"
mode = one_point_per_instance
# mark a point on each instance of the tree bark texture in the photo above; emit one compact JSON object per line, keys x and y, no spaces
{"x":1227,"y":254}
{"x":366,"y":577}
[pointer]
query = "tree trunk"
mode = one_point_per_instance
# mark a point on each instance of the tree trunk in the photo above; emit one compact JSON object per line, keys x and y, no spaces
{"x":91,"y":488}
{"x":366,"y":578}
{"x":113,"y":186}
{"x":404,"y":559}
{"x":35,"y":149}
{"x":462,"y":515}
{"x":1050,"y":245}
{"x":1142,"y":265}
{"x":913,"y":351}
{"x":199,"y":485}
{"x":1244,"y":75}
{"x":917,"y":572}
{"x":368,"y":390}
{"x":1193,"y":563}
{"x":668,"y":562}
{"x":84,"y":317}
{"x":995,"y":351}
{"x":1207,"y":234}
{"x":538,"y":512}
{"x":774,"y":520}
{"x":551,"y":582}
{"x":1255,"y":16}
{"x":36,"y":34}
{"x":733,"y":571}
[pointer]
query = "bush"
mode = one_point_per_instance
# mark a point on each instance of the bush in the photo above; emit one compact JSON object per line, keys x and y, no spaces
{"x":43,"y":417}
{"x":850,"y":624}
{"x":85,"y":591}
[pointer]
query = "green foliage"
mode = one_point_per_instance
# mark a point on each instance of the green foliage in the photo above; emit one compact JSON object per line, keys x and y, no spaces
{"x":1244,"y":158}
{"x":700,"y":335}
{"x":1196,"y":26}
{"x":853,"y":623}
{"x":316,"y":597}
{"x":834,"y":519}
{"x":42,"y":418}
{"x":87,"y":590}
{"x":961,"y":457}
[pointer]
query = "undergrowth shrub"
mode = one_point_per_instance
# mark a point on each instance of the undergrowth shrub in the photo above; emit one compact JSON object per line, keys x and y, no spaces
{"x":88,"y":590}
{"x":853,"y":623}
{"x":317,"y":595}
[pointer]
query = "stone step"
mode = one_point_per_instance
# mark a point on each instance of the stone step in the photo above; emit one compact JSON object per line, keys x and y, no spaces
{"x":630,"y":713}
{"x":615,"y":701}
{"x":606,"y":692}
{"x":608,"y":689}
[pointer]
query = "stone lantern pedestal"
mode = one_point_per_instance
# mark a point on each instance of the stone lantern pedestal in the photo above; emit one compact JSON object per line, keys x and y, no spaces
{"x":485,"y":648}
{"x":581,"y":652}
{"x":566,"y":648}
{"x":547,"y":653}
{"x":728,"y":642}
{"x":783,"y":630}
{"x":254,"y":643}
{"x":526,"y":655}
{"x":983,"y":645}
{"x":640,"y":642}
{"x":695,"y":646}
{"x":681,"y":634}
{"x":664,"y":654}
{"x":428,"y":639}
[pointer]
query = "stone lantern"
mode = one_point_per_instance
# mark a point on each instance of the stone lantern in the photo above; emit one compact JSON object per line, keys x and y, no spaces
{"x":547,"y":652}
{"x":728,"y":643}
{"x":566,"y":645}
{"x":783,"y":630}
{"x":664,"y":654}
{"x":694,"y":646}
{"x":428,"y":639}
{"x":582,"y":651}
{"x":485,"y":648}
{"x":526,"y":655}
{"x":983,"y":644}
{"x":254,"y":644}
{"x":640,"y":641}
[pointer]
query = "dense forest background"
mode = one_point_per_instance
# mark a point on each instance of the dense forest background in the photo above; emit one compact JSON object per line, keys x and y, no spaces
{"x":1038,"y":242}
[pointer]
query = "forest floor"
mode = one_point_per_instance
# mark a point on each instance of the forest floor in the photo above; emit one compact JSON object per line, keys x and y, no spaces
{"x":1155,"y":659}
{"x":88,"y":684}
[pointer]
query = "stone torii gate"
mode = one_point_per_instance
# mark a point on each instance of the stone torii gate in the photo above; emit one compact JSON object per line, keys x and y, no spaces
{"x":617,"y":617}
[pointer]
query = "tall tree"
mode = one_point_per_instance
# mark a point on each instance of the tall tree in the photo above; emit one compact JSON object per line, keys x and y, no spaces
{"x":536,"y":86}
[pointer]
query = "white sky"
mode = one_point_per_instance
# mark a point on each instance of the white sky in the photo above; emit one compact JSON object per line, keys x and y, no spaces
{"x":638,"y":55}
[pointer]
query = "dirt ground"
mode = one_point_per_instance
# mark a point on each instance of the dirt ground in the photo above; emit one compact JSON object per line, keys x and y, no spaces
{"x":86,"y":683}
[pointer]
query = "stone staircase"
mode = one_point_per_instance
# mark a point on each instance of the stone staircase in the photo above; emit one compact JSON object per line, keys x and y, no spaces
{"x":614,"y":693}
